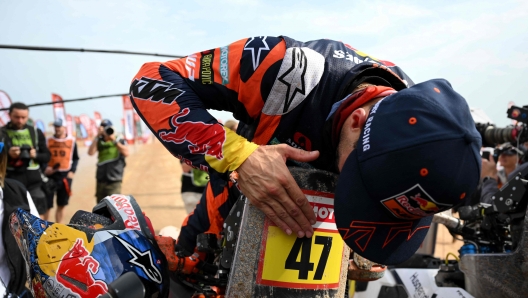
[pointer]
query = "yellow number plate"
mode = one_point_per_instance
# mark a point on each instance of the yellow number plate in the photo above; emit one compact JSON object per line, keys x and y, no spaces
{"x":304,"y":263}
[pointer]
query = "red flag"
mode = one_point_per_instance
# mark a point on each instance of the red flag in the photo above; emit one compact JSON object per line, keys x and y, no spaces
{"x":94,"y":127}
{"x":58,"y":108}
{"x":128,"y":116}
{"x":5,"y":102}
{"x":87,"y":123}
{"x":69,"y":126}
{"x":98,"y":118}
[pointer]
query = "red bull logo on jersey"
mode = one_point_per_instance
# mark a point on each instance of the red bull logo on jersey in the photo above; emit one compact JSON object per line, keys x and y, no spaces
{"x":413,"y":203}
{"x":76,"y":271}
{"x":203,"y":138}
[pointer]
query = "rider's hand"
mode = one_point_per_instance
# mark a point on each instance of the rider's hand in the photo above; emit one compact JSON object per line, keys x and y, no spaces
{"x":489,"y":168}
{"x":14,"y":152}
{"x":266,"y":181}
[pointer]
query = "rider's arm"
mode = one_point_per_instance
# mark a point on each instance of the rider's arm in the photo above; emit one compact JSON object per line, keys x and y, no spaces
{"x":173,"y":98}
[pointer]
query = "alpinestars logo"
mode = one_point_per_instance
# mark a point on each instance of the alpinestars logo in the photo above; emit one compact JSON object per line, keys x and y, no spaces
{"x":154,"y":90}
{"x":300,"y":72}
{"x":142,"y":259}
{"x":293,"y":78}
{"x":256,"y":45}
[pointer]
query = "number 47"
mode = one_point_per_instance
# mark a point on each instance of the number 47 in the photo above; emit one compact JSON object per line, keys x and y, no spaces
{"x":304,"y":246}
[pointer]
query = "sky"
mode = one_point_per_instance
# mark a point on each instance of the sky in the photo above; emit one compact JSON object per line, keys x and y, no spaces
{"x":478,"y":46}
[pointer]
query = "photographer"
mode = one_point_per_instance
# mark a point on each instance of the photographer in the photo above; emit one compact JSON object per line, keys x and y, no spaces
{"x":110,"y":160}
{"x":27,"y":151}
{"x":13,"y":195}
{"x":491,"y":178}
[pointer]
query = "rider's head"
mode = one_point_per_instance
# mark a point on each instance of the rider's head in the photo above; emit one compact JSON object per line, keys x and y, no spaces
{"x":403,"y":157}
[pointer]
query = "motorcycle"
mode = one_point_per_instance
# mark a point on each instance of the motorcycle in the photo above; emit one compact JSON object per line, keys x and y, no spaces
{"x":113,"y":252}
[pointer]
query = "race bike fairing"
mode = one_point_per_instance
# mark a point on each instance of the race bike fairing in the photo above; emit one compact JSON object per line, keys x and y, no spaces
{"x":80,"y":261}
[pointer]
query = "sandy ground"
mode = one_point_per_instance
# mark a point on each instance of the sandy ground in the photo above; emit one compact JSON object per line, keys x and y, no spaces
{"x":152,"y":176}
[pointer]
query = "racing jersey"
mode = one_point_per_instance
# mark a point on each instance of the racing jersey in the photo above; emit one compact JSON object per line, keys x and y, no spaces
{"x":281,"y":89}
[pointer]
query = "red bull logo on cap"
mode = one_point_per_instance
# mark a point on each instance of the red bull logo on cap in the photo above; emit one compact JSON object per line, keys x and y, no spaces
{"x":413,"y":203}
{"x":75,"y":272}
{"x":203,"y":138}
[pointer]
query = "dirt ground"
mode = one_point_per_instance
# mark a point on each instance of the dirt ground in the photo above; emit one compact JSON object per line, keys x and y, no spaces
{"x":152,"y":176}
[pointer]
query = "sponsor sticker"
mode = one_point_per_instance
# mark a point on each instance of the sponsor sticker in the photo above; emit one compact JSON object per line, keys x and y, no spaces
{"x":303,"y":263}
{"x":206,"y":70}
{"x":224,"y":64}
{"x":76,"y":271}
{"x":155,"y":90}
{"x":203,"y":138}
{"x":413,"y":203}
{"x":125,"y":209}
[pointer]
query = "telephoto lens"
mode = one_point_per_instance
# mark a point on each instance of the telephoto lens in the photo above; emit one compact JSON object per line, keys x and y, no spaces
{"x":109,"y":130}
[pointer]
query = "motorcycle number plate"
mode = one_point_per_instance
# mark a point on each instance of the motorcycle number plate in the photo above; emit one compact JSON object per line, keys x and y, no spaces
{"x":303,"y":263}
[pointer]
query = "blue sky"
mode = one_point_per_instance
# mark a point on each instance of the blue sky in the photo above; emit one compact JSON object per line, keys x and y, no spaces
{"x":479,"y":46}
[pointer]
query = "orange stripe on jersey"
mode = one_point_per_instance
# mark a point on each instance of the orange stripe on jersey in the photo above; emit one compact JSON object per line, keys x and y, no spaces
{"x":187,"y":67}
{"x":267,"y":126}
{"x":213,"y":204}
{"x":249,"y":93}
{"x":156,"y":115}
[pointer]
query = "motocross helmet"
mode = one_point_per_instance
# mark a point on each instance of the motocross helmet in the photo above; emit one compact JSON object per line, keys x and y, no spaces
{"x":82,"y":258}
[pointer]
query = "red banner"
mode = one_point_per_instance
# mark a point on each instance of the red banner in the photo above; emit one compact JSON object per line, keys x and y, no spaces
{"x":87,"y":124}
{"x":69,"y":126}
{"x":58,"y":108}
{"x":128,"y":116}
{"x":98,"y":118}
{"x":94,"y":127}
{"x":5,"y":102}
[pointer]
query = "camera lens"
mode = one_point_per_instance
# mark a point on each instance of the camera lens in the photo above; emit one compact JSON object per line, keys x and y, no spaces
{"x":109,"y":130}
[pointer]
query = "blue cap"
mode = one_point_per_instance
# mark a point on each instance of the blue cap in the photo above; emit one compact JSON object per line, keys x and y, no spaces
{"x":106,"y":122}
{"x":58,"y":123}
{"x":417,"y":155}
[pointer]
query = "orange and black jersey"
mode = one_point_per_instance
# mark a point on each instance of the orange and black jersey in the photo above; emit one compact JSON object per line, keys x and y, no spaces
{"x":280,"y":88}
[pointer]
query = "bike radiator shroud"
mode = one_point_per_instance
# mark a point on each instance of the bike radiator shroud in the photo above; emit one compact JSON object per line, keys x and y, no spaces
{"x":269,"y":263}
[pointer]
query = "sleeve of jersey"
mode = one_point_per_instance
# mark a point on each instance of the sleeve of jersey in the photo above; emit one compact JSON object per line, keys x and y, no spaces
{"x":173,"y":98}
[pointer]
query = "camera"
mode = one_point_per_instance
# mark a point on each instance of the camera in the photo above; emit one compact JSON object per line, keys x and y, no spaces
{"x":492,"y":135}
{"x":109,"y":130}
{"x":24,"y":152}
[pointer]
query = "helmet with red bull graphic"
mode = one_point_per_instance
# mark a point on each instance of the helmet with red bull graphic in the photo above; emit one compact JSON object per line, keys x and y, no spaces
{"x":83,"y":258}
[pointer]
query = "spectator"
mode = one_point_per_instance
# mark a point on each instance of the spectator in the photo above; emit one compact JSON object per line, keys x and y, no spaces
{"x":27,"y":151}
{"x":509,"y":157}
{"x":110,"y":160}
{"x":193,"y":184}
{"x":491,"y":178}
{"x":12,"y":266}
{"x":61,"y":168}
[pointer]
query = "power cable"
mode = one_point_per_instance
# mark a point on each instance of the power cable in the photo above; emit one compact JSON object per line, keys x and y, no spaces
{"x":54,"y":49}
{"x":67,"y":100}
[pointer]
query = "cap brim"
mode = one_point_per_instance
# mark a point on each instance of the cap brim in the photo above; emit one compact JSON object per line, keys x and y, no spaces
{"x":367,"y":227}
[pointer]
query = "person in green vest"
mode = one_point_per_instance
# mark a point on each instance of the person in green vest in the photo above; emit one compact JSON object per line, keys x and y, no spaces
{"x":27,"y":152}
{"x":110,"y":160}
{"x":193,"y":184}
